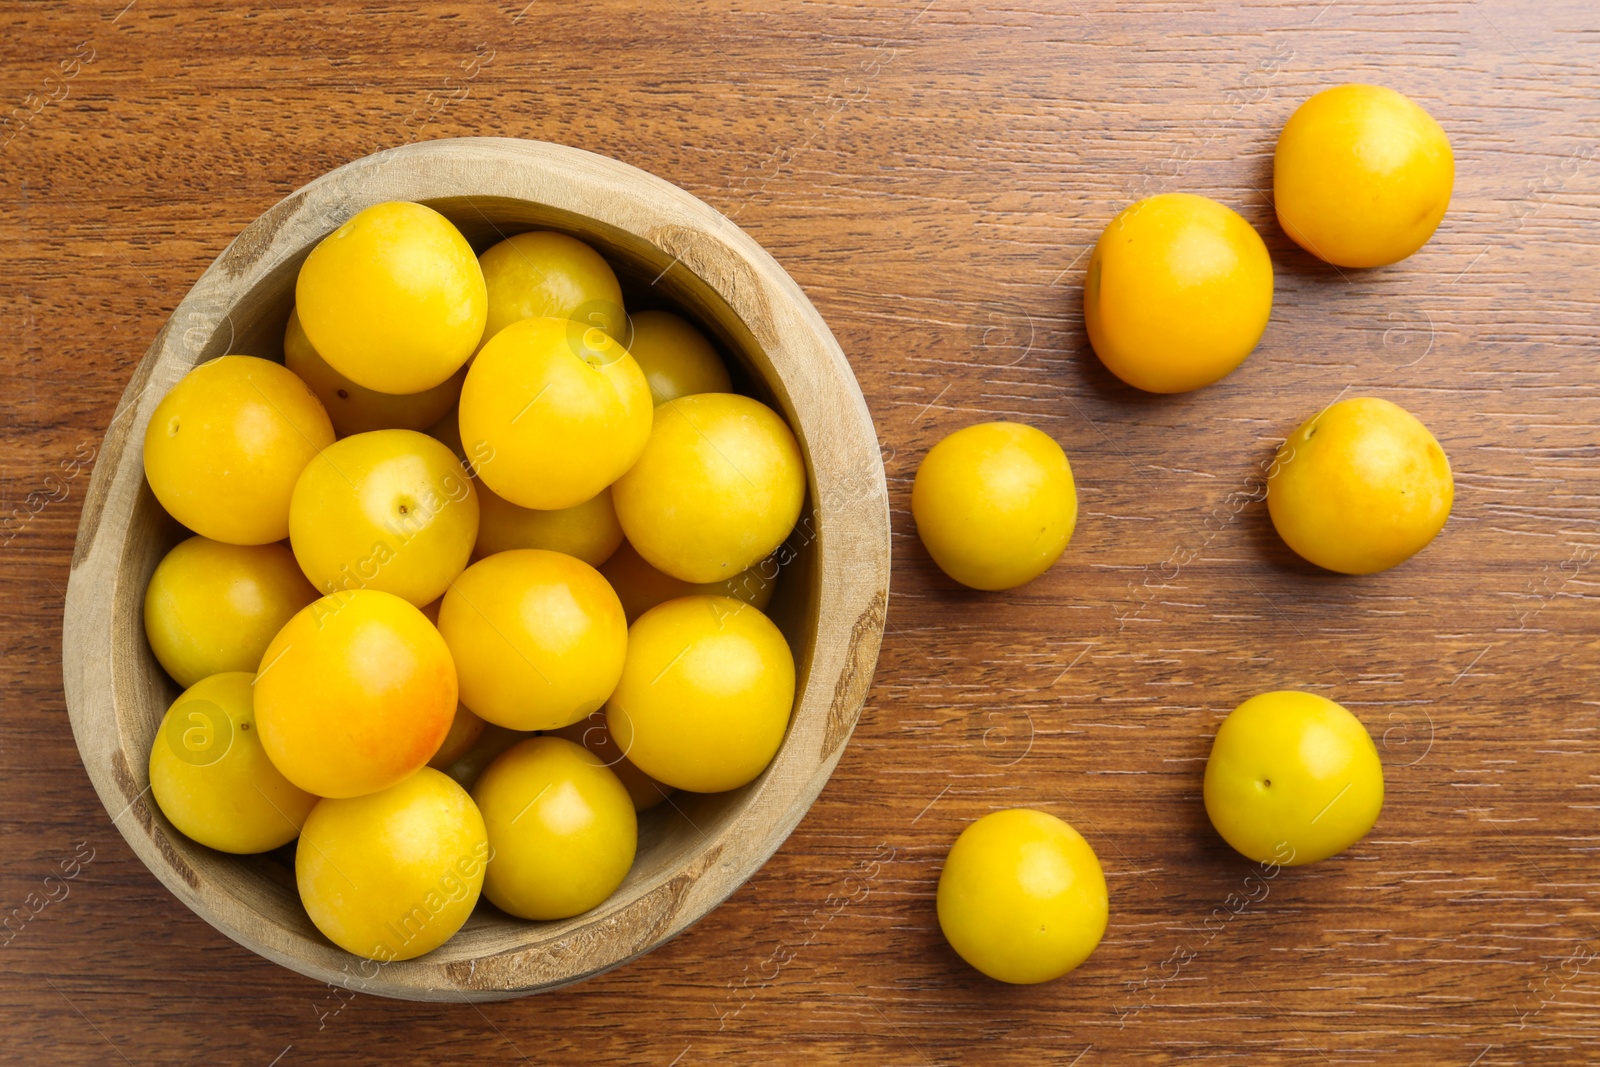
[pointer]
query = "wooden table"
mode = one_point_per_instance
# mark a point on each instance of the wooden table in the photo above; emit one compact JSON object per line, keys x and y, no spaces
{"x":933,"y":175}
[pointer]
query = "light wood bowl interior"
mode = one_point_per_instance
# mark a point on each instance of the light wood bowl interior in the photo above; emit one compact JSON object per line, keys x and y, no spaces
{"x":670,"y":250}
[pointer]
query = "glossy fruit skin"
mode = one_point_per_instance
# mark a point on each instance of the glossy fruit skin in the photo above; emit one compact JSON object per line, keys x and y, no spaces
{"x":553,"y":412}
{"x":225,"y":446}
{"x":394,"y":874}
{"x":355,"y":408}
{"x":393,"y":299}
{"x":589,"y":531}
{"x":561,"y":827}
{"x":538,"y":637}
{"x":212,"y":607}
{"x":1362,"y":176}
{"x":1022,"y":897}
{"x":390,"y":510}
{"x":715,"y":491}
{"x":676,"y":358}
{"x":705,"y":695}
{"x":1178,"y":293}
{"x":354,"y":694}
{"x":995,"y":504}
{"x":211,"y":777}
{"x":465,"y":729}
{"x":592,"y":734}
{"x":641,"y":587}
{"x":544,"y":274}
{"x":1360,"y":487}
{"x":1292,"y":778}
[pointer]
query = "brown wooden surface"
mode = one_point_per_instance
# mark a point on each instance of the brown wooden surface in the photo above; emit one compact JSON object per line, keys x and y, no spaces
{"x":933,"y":175}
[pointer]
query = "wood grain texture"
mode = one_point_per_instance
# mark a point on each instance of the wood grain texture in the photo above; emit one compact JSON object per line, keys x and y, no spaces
{"x":933,"y":176}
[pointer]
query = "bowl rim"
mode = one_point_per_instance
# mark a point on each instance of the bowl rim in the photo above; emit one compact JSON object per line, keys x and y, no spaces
{"x":798,"y":358}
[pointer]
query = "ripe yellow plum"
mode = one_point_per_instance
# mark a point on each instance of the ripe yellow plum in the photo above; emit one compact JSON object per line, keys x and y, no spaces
{"x":717,"y":489}
{"x":390,"y":510}
{"x":393,"y":299}
{"x":705,"y":694}
{"x":1178,"y":293}
{"x":393,"y":874}
{"x":211,"y":777}
{"x":1292,"y":778}
{"x":1360,"y":487}
{"x":561,"y":827}
{"x":225,"y":447}
{"x":995,"y":504}
{"x":676,"y":358}
{"x":354,"y":694}
{"x":213,"y":607}
{"x":552,"y":412}
{"x":1022,"y":897}
{"x":538,"y":638}
{"x":544,"y":274}
{"x":1362,"y":176}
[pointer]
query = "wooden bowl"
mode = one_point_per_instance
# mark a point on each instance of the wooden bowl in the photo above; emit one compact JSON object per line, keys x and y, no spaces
{"x":670,"y":249}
